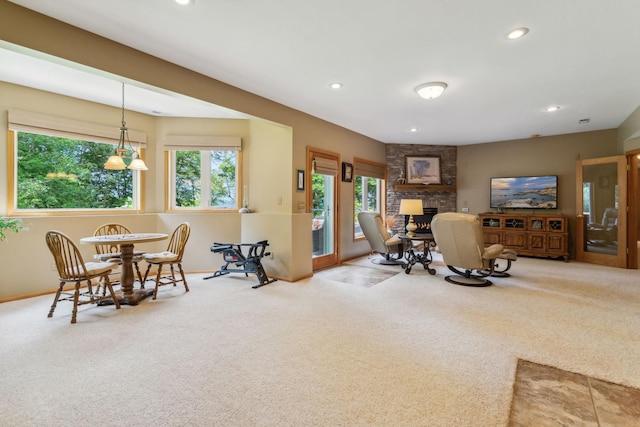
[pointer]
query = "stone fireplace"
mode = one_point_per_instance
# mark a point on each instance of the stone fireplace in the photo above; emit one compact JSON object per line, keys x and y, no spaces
{"x":442,"y":197}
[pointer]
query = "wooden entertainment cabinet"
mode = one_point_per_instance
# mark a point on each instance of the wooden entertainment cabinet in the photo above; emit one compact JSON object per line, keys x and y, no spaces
{"x":533,"y":235}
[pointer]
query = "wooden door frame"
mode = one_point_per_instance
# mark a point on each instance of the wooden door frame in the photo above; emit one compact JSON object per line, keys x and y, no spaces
{"x":325,"y":261}
{"x":622,"y":258}
{"x":632,"y":208}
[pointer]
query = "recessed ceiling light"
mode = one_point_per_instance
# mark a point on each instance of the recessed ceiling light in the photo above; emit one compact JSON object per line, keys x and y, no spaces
{"x":517,"y":33}
{"x":431,"y":90}
{"x":552,"y":108}
{"x":413,"y":129}
{"x":335,"y":85}
{"x":184,"y":2}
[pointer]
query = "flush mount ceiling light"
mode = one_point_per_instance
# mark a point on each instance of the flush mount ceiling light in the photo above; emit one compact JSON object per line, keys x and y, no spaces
{"x":431,"y":90}
{"x":517,"y":33}
{"x":116,"y":161}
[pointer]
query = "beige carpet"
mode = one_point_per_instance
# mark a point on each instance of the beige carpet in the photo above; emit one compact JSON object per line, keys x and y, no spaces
{"x":413,"y":350}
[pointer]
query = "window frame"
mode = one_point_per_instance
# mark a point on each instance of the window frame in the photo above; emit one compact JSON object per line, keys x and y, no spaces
{"x":138,"y":185}
{"x":381,"y":194}
{"x":170,"y":181}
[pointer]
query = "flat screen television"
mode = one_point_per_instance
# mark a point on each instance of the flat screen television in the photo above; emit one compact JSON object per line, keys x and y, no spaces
{"x":525,"y":192}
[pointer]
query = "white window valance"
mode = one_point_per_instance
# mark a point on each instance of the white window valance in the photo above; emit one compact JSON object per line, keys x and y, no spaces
{"x":27,"y":121}
{"x":367,"y":169}
{"x":202,"y":142}
{"x":324,"y":166}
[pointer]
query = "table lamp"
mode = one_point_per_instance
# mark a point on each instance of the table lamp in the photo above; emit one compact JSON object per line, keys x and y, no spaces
{"x":411,"y":207}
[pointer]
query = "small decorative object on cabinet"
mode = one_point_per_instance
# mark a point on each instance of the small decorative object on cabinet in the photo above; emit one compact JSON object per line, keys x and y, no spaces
{"x":530,"y":235}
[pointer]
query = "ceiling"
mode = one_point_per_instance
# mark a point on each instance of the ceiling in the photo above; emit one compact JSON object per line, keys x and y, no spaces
{"x":580,"y":55}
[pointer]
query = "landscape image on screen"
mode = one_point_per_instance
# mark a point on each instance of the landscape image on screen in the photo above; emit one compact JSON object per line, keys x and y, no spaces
{"x":526,"y":192}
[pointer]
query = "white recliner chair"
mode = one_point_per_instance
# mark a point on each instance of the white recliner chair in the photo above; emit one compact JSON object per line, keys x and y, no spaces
{"x":390,"y":247}
{"x":460,"y":240}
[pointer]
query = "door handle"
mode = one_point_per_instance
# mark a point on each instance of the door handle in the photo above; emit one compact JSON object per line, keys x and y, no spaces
{"x":580,"y":216}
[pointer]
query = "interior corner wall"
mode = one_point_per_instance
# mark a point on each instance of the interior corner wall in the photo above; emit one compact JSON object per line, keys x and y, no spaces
{"x":289,"y":242}
{"x":56,"y":38}
{"x":348,"y":144}
{"x":553,"y":155}
{"x":268,"y":168}
{"x":629,"y":133}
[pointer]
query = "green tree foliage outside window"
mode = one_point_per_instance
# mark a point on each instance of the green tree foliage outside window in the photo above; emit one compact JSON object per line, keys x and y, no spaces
{"x":223,"y":178}
{"x":217,"y":168}
{"x":317,"y":192}
{"x":366,"y":198}
{"x":61,"y":173}
{"x":188,"y":188}
{"x":371,"y":186}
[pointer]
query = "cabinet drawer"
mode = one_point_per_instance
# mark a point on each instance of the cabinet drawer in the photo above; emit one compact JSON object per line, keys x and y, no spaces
{"x":537,"y":241}
{"x":515,"y":240}
{"x":557,"y":243}
{"x":492,"y":237}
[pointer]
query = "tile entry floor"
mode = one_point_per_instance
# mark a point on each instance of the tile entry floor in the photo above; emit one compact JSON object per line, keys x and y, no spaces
{"x":547,"y":396}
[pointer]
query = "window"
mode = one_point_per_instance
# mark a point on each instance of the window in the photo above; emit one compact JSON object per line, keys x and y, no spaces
{"x":368,"y":196}
{"x":204,"y":179}
{"x":57,"y":173}
{"x":57,"y":165}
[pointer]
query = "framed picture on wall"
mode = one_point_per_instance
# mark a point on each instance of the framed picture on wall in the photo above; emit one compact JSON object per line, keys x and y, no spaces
{"x":423,"y":170}
{"x":300,"y":180}
{"x":347,"y":172}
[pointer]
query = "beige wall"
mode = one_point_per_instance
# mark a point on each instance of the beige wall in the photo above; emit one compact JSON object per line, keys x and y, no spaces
{"x":269,"y":169}
{"x":629,"y":133}
{"x":274,"y":148}
{"x":267,"y":159}
{"x":22,"y":98}
{"x":553,"y":155}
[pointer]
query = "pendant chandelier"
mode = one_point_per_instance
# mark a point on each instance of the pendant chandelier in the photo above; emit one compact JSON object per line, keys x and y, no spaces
{"x":116,"y":161}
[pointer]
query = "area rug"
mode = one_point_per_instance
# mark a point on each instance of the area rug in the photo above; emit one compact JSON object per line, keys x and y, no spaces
{"x":356,"y":275}
{"x":548,"y":396}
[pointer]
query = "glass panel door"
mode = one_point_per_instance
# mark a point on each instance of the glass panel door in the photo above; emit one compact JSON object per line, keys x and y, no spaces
{"x":323,"y":203}
{"x":601,"y":211}
{"x":323,"y":208}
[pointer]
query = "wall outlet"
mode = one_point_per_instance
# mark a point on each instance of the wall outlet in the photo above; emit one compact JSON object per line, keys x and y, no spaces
{"x":465,"y":209}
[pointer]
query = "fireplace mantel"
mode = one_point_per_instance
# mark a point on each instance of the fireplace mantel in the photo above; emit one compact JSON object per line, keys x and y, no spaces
{"x":423,"y":187}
